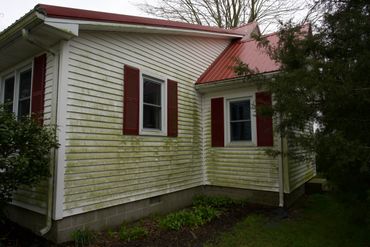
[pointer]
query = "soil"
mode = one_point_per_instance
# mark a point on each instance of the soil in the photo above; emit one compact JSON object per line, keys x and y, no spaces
{"x":13,"y":235}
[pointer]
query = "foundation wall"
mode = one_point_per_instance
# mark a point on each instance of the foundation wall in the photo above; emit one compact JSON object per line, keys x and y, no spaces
{"x":114,"y":216}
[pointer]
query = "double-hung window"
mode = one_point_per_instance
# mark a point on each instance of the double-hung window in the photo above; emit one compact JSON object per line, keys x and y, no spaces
{"x":153,"y":110}
{"x":239,"y":121}
{"x":16,"y":88}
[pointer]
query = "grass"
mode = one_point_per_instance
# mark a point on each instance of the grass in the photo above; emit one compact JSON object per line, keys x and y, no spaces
{"x":318,"y":221}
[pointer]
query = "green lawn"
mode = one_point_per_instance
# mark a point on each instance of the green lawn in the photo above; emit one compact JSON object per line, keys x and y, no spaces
{"x":317,"y":221}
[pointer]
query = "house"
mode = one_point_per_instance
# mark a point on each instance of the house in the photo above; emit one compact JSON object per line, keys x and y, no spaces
{"x":149,"y":114}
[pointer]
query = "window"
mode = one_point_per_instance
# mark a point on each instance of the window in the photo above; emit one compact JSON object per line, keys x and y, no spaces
{"x":240,"y":120}
{"x":153,"y":108}
{"x":9,"y":93}
{"x":17,"y":91}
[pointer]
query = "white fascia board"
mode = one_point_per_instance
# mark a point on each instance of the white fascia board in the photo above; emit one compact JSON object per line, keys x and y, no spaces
{"x":111,"y":26}
{"x":66,"y":27}
{"x":69,"y":27}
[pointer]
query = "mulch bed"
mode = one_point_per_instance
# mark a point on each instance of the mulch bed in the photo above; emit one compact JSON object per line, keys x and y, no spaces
{"x":13,"y":235}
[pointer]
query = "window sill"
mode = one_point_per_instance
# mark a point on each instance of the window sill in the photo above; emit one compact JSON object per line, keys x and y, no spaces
{"x":240,"y":144}
{"x":152,"y":132}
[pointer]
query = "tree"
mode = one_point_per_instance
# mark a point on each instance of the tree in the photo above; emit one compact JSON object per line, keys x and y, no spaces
{"x":324,"y":79}
{"x":24,"y":153}
{"x":223,"y":13}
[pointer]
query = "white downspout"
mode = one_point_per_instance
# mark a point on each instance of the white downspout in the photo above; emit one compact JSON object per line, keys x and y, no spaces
{"x":46,"y":229}
{"x":281,"y":173}
{"x":53,"y":161}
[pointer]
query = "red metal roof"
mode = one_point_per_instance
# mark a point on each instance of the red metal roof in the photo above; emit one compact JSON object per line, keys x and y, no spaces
{"x":88,"y":15}
{"x":248,"y":52}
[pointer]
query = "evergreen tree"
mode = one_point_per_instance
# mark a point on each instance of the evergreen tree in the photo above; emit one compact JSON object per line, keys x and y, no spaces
{"x":324,"y":79}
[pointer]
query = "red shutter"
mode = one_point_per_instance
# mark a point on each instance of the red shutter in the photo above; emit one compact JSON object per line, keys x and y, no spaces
{"x":38,"y":88}
{"x":131,"y":100}
{"x":172,"y":115}
{"x":217,"y":122}
{"x":264,"y":123}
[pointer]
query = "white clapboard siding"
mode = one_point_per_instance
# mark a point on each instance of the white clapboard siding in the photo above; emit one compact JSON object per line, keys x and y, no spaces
{"x":106,"y":168}
{"x":301,"y":165}
{"x":36,"y":198}
{"x":246,"y":167}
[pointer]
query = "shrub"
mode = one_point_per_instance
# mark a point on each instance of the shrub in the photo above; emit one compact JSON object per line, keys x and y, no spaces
{"x":219,"y":202}
{"x":132,"y":233}
{"x":24,"y":153}
{"x":83,"y":237}
{"x":197,"y":216}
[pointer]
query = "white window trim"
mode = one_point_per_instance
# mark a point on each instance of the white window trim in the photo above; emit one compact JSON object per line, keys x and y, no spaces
{"x":228,"y":142}
{"x":146,"y":131}
{"x":16,"y":71}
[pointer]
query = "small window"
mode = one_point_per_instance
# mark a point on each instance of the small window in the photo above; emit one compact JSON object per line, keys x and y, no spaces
{"x":16,"y":94}
{"x":240,"y":124}
{"x":153,"y":101}
{"x":152,"y":104}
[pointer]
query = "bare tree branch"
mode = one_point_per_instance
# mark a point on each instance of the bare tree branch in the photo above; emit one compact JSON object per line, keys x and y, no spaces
{"x":227,"y":13}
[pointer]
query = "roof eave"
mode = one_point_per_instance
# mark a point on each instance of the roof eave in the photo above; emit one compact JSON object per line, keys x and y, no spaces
{"x":231,"y":83}
{"x":116,"y":26}
{"x":30,"y":19}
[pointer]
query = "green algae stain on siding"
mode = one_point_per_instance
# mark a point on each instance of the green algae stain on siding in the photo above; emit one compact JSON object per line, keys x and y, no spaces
{"x":105,"y":167}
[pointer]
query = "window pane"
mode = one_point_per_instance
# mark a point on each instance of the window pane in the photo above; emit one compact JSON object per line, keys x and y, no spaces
{"x":240,"y":131}
{"x":240,"y":110}
{"x":23,"y":108}
{"x":152,"y":92}
{"x":24,"y":93}
{"x":152,"y":117}
{"x":9,"y":93}
{"x":25,"y":84}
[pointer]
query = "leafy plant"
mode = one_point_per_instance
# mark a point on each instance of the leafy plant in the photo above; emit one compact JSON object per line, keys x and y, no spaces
{"x":175,"y":221}
{"x":197,"y":216}
{"x":111,"y":233}
{"x":131,"y":233}
{"x":83,"y":237}
{"x":206,"y":213}
{"x":215,"y":201}
{"x":24,"y":153}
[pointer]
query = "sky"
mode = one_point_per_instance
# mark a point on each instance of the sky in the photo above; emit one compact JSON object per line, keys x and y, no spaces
{"x":12,"y":10}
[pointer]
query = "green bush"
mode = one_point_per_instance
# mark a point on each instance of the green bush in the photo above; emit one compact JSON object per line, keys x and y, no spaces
{"x":131,"y":233}
{"x":197,"y":216}
{"x":83,"y":237}
{"x":24,"y":153}
{"x":219,"y":202}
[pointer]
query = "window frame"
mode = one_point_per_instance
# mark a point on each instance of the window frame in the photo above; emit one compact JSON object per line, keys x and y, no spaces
{"x":162,"y":80}
{"x":227,"y":121}
{"x":15,"y":72}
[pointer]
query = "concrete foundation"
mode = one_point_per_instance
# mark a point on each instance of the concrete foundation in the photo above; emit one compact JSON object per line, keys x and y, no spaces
{"x":114,"y":216}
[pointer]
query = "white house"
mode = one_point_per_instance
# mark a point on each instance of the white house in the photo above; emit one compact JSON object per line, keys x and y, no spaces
{"x":149,"y":114}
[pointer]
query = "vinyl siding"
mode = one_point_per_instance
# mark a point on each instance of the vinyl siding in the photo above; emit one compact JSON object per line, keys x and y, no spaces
{"x":105,"y":167}
{"x":36,"y":198}
{"x":247,"y":167}
{"x":301,"y":166}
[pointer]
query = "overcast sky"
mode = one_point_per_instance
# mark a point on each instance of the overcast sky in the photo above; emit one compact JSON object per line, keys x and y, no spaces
{"x":12,"y":10}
